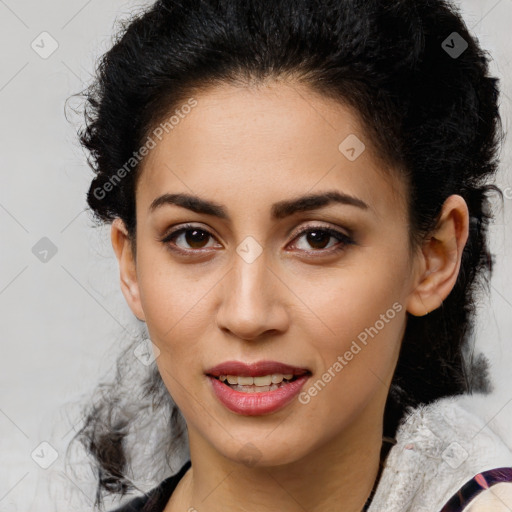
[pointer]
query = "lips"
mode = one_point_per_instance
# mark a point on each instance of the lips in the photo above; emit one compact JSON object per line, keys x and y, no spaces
{"x":256,"y":369}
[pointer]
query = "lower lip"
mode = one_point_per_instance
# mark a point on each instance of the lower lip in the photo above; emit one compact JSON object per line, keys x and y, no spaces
{"x":255,"y":404}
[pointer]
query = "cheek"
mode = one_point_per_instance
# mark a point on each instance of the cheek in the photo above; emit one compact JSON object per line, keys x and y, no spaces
{"x":357,"y":362}
{"x":175,"y":319}
{"x":348,"y":300}
{"x":358,"y":325}
{"x":172,"y":295}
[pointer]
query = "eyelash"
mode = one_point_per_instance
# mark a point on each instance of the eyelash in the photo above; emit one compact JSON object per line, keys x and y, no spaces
{"x":341,"y":237}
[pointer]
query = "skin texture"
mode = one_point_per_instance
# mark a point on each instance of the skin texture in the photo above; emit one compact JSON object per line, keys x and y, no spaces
{"x":298,"y":302}
{"x":496,"y":499}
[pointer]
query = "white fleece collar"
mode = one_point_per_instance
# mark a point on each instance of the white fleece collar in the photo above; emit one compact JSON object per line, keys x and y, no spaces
{"x":439,"y":448}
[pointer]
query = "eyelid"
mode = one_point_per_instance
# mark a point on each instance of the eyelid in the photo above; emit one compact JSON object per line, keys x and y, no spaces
{"x":316,"y":225}
{"x":181,"y":228}
{"x":343,"y":238}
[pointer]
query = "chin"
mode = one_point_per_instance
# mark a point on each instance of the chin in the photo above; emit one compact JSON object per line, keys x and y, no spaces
{"x":253,"y":454}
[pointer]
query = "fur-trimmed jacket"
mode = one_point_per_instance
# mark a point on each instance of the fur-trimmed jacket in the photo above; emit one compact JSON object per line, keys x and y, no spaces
{"x":453,"y":455}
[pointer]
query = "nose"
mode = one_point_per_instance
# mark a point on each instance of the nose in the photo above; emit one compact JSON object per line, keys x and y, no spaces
{"x":253,"y":302}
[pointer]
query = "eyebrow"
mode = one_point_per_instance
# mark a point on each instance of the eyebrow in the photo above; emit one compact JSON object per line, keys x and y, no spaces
{"x":279,"y":210}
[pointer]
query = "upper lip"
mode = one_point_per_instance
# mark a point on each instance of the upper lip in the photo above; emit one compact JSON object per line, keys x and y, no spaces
{"x":256,"y":369}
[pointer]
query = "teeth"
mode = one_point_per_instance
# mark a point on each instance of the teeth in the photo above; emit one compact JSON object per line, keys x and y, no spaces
{"x":257,"y":389}
{"x":263,"y":380}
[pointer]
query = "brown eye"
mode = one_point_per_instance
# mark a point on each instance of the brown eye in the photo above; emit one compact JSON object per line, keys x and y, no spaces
{"x":187,"y":238}
{"x":195,"y":238}
{"x":318,"y":238}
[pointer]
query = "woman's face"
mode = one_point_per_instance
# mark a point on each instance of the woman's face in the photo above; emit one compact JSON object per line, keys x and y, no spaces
{"x":262,"y":275}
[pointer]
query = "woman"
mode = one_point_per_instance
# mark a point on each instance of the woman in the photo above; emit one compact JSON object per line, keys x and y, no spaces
{"x":299,"y":201}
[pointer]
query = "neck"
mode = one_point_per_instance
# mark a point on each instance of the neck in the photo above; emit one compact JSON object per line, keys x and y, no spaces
{"x":338,"y":475}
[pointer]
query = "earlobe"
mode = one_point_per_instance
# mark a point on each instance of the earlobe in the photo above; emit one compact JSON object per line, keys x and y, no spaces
{"x":127,"y":267}
{"x":440,"y":258}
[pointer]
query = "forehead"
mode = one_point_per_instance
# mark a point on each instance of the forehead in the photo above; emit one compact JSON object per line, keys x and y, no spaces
{"x":266,"y":143}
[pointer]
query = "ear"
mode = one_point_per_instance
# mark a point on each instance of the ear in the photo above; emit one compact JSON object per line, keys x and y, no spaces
{"x":440,"y":258}
{"x":127,"y":267}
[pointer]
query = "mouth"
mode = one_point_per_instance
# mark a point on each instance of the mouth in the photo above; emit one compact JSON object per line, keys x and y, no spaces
{"x":257,"y":388}
{"x":256,"y":377}
{"x":258,"y":384}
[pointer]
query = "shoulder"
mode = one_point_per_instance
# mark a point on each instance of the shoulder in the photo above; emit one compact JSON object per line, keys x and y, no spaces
{"x":497,"y":498}
{"x":489,"y":490}
{"x":439,"y":448}
{"x":135,"y":504}
{"x":156,"y":499}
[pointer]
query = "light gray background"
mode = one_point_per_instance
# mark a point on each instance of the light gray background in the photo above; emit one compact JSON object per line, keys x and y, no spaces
{"x":62,"y":322}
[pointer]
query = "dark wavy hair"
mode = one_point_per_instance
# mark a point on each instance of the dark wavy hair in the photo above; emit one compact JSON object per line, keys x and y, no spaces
{"x":431,"y":114}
